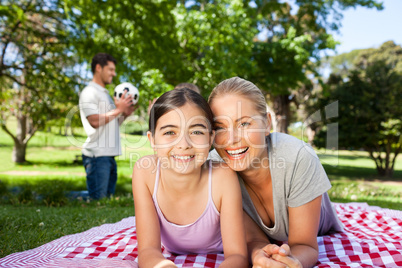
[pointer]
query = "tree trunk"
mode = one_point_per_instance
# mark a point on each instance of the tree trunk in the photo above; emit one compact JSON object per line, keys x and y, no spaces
{"x":384,"y":168}
{"x":381,"y":171}
{"x":19,"y":152}
{"x":389,"y":172}
{"x":282,"y":112}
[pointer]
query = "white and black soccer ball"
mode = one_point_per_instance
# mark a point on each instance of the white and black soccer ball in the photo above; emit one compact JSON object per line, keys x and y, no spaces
{"x":131,"y":90}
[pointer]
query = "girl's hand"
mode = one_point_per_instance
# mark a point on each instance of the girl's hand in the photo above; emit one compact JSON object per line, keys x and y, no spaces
{"x":273,"y":256}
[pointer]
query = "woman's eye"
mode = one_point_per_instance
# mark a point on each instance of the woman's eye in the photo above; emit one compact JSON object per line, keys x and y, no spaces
{"x":245,"y":124}
{"x":197,"y":132}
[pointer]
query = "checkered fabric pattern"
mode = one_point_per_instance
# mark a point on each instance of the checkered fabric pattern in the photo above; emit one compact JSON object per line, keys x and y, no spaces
{"x":372,"y":238}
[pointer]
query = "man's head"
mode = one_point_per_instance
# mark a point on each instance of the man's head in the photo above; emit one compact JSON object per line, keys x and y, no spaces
{"x":103,"y":68}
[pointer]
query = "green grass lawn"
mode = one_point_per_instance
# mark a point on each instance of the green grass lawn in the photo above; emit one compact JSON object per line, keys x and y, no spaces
{"x":357,"y":164}
{"x":26,"y":227}
{"x":354,"y":179}
{"x":27,"y":222}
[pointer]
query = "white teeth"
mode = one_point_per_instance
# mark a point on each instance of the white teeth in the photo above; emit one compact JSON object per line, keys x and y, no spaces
{"x":239,"y":151}
{"x":186,"y":157}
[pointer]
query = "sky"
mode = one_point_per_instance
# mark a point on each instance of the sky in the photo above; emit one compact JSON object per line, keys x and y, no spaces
{"x":369,"y":28}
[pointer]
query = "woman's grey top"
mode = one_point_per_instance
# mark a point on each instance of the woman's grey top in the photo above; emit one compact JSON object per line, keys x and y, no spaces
{"x":297,"y":178}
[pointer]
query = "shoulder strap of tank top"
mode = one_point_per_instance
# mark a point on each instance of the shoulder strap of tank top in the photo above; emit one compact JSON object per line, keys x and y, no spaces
{"x":156,"y":179}
{"x":210,"y":180}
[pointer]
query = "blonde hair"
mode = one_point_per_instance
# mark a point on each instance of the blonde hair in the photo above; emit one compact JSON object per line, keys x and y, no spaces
{"x":239,"y":86}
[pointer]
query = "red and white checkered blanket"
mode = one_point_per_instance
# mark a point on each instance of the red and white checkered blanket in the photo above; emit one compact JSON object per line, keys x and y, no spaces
{"x":372,"y":238}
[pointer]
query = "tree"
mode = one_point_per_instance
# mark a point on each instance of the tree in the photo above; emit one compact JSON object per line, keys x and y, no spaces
{"x":215,"y":40}
{"x":141,"y":36}
{"x":295,"y":34}
{"x":370,"y":108}
{"x":218,"y":39}
{"x":37,"y":67}
{"x":190,"y":41}
{"x":205,"y":41}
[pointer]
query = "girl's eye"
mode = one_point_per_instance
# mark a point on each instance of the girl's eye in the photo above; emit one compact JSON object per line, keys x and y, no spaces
{"x":197,"y":132}
{"x":168,"y":133}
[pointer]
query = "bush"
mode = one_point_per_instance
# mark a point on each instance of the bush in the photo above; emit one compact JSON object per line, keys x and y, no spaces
{"x":139,"y":127}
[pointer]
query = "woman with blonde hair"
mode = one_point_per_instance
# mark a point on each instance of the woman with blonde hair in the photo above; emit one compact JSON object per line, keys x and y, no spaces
{"x":284,"y":186}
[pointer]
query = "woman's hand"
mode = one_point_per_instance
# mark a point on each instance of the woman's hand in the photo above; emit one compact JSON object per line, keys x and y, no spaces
{"x":262,"y":260}
{"x":273,"y":256}
{"x":284,"y":256}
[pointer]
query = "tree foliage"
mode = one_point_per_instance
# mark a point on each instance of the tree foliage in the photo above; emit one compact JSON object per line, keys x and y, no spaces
{"x":186,"y":42}
{"x":215,"y":42}
{"x":36,"y":67}
{"x":141,"y":35}
{"x":296,"y":32}
{"x":159,"y":44}
{"x":204,"y":42}
{"x":370,"y":108}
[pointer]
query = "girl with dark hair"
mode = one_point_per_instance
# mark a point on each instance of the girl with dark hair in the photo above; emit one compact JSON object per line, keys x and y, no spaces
{"x":189,"y":204}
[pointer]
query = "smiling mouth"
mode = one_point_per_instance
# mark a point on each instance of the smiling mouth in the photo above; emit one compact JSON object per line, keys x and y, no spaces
{"x":237,"y":153}
{"x":183,"y":157}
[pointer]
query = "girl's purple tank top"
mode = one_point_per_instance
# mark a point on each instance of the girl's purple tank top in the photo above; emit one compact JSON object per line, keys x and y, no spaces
{"x":200,"y":237}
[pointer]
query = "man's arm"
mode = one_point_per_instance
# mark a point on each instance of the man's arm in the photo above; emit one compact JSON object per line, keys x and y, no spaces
{"x":122,"y":107}
{"x":127,"y":113}
{"x":98,"y":120}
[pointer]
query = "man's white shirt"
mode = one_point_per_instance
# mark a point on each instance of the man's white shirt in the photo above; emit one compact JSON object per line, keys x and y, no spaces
{"x":104,"y":140}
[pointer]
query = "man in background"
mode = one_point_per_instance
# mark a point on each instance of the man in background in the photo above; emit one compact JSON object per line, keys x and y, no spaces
{"x":101,"y":118}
